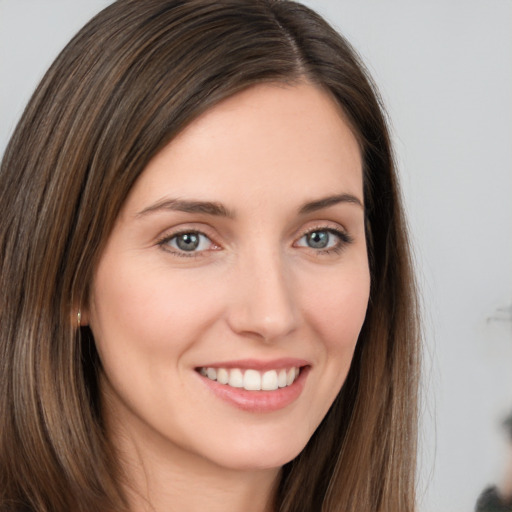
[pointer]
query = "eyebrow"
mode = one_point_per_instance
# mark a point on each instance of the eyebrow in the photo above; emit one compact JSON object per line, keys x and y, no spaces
{"x":326,"y":202}
{"x":219,"y":210}
{"x":189,"y":206}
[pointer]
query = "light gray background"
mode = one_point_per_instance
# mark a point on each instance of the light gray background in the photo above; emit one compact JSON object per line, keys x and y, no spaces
{"x":444,"y":68}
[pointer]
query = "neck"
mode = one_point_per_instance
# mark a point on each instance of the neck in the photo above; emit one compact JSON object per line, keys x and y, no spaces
{"x":167,"y":488}
{"x":170,"y":479}
{"x":162,"y":485}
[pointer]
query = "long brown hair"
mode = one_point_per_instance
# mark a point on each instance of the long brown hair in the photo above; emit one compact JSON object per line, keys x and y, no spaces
{"x":126,"y":84}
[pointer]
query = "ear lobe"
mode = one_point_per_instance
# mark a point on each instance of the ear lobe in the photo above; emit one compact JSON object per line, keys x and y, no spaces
{"x":80,"y":317}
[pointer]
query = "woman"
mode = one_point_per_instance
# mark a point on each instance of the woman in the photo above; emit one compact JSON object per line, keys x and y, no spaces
{"x":206,"y":292}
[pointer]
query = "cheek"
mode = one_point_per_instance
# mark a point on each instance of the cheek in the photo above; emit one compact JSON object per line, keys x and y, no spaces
{"x":143,"y":311}
{"x":337,"y":310}
{"x":343,"y":299}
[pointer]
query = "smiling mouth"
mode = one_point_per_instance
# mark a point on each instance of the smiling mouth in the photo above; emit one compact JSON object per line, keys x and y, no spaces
{"x":250,"y":379}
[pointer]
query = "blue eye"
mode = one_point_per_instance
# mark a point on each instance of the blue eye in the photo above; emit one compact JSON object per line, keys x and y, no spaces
{"x":188,"y":242}
{"x":323,"y":239}
{"x":319,"y":239}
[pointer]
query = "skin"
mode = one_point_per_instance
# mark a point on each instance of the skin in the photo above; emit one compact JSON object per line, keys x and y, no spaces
{"x":253,"y":289}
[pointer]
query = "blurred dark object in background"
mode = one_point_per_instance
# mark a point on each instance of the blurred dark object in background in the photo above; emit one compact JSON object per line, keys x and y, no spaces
{"x":491,"y":501}
{"x":508,"y":425}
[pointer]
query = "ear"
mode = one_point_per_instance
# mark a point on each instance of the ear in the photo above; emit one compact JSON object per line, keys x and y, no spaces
{"x":80,"y":316}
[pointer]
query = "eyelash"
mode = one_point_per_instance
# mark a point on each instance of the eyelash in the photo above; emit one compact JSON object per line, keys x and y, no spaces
{"x":181,"y":253}
{"x":343,"y":240}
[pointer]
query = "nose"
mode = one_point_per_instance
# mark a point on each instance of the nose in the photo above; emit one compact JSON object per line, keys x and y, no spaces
{"x":263,"y":300}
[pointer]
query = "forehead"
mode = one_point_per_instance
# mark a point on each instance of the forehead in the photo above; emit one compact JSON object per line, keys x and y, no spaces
{"x":264,"y":139}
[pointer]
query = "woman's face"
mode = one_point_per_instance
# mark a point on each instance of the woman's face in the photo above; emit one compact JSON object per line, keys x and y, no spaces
{"x":237,"y":262}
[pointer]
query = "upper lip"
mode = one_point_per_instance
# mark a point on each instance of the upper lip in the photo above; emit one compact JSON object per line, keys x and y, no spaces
{"x":258,"y":364}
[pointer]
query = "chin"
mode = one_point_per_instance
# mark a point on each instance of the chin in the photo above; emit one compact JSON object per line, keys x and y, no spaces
{"x":259,"y":454}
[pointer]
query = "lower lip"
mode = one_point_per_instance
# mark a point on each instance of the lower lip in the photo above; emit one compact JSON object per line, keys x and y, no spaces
{"x":259,"y":401}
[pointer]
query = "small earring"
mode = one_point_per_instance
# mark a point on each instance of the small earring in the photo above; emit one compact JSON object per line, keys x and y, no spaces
{"x":78,"y":318}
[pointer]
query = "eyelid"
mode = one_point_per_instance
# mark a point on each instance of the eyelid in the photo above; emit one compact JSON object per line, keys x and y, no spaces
{"x":170,"y":234}
{"x":344,"y":237}
{"x":323,"y":225}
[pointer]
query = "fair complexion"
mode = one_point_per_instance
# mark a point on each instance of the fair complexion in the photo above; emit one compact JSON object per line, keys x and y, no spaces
{"x":239,"y":254}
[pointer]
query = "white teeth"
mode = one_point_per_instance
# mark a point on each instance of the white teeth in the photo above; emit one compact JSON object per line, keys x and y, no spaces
{"x":236,"y":378}
{"x":281,"y":379}
{"x":269,"y":381}
{"x":252,"y":380}
{"x":222,"y":376}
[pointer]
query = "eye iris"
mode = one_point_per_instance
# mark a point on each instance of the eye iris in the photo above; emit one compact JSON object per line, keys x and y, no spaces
{"x":318,"y":239}
{"x":188,"y":241}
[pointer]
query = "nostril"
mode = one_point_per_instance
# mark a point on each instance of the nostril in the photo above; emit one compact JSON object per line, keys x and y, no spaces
{"x":263,"y":304}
